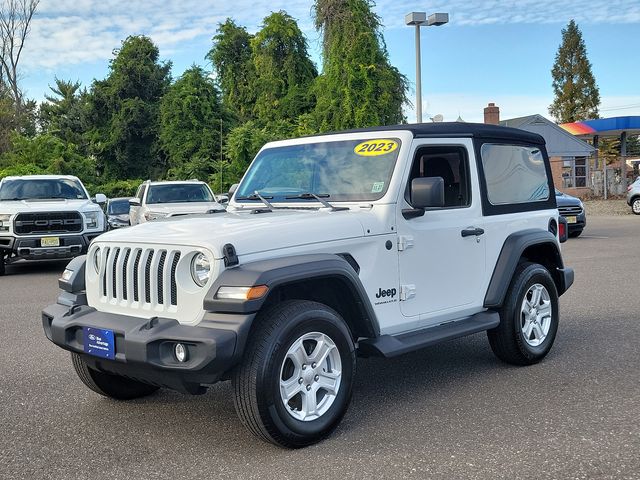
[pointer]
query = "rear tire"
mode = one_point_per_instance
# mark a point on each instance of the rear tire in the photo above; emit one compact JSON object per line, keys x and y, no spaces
{"x":294,"y":383}
{"x":108,"y":384}
{"x":635,"y":205}
{"x":528,"y":318}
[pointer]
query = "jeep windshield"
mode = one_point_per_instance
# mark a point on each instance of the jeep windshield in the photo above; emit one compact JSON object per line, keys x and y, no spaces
{"x":350,"y":170}
{"x":179,"y":193}
{"x":42,"y":189}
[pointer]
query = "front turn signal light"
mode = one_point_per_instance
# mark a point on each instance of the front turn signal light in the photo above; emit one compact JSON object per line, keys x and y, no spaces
{"x":242,"y":293}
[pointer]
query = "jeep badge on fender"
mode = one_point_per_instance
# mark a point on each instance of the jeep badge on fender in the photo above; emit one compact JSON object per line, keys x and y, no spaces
{"x":281,"y":293}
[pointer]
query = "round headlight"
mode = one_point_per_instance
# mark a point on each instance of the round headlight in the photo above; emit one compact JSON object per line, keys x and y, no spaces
{"x":200,"y":269}
{"x":96,"y":260}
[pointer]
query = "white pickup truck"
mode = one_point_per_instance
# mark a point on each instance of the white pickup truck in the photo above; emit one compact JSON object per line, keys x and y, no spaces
{"x":46,"y":217}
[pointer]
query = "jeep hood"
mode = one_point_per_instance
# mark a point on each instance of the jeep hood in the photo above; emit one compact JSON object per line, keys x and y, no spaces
{"x":248,"y":233}
{"x":54,"y":205}
{"x":184,"y":208}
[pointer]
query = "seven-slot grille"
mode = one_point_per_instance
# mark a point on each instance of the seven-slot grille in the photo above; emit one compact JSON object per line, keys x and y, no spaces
{"x":139,"y":276}
{"x":46,"y":223}
{"x":572,"y":210}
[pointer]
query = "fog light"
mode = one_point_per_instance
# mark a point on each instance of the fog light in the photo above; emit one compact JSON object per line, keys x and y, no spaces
{"x":180,"y":351}
{"x":66,"y":275}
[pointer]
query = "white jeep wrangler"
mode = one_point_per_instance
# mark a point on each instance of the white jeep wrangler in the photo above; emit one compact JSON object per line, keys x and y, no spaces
{"x":46,"y":217}
{"x":377,"y":241}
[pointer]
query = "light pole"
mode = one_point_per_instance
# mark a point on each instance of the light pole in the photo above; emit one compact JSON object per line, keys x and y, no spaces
{"x":419,"y":19}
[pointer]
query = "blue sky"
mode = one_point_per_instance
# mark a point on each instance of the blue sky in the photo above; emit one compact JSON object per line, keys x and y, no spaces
{"x":491,"y":51}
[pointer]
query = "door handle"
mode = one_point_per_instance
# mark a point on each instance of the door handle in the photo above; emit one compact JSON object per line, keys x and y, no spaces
{"x":468,"y":232}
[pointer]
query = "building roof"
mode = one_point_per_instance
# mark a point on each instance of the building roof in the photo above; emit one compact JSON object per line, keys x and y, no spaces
{"x":560,"y":143}
{"x":456,"y":129}
{"x":605,"y":127}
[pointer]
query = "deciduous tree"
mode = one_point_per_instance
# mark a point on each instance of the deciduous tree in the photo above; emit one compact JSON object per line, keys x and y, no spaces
{"x":358,"y":86}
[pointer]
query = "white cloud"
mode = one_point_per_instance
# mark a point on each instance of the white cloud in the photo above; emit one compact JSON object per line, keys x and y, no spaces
{"x":72,"y":32}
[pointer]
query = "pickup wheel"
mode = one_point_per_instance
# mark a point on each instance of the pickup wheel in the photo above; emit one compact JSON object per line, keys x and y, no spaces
{"x":528,"y":318}
{"x":110,"y":385}
{"x":2,"y":264}
{"x":295,"y":380}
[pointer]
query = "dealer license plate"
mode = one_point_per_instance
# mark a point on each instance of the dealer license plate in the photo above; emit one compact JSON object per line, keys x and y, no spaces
{"x":50,"y":242}
{"x":571,"y":219}
{"x":99,"y":342}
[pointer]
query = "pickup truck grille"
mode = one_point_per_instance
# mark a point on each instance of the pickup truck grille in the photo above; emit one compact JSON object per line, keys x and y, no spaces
{"x":47,"y":223}
{"x":573,"y":210}
{"x":140,"y":277}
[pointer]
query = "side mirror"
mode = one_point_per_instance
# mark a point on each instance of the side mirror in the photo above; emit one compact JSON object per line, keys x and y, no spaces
{"x":426,"y":192}
{"x":232,"y":189}
{"x":134,"y":202}
{"x":101,"y":198}
{"x":223,"y":200}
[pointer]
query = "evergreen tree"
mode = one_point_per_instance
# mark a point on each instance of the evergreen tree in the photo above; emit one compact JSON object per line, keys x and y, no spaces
{"x":235,"y":72}
{"x":284,"y":71}
{"x":358,"y":86}
{"x":124,"y":111}
{"x":63,"y":113}
{"x":576,"y":94}
{"x":190,"y":125}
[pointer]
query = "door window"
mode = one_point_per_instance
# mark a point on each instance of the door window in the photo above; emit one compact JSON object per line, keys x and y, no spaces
{"x":451,"y":164}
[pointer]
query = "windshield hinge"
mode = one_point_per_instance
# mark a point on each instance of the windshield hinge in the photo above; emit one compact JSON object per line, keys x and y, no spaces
{"x":404,"y":242}
{"x":407,"y":292}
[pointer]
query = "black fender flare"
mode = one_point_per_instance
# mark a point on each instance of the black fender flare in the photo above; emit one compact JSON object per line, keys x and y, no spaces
{"x":277,"y":272}
{"x":513,"y":250}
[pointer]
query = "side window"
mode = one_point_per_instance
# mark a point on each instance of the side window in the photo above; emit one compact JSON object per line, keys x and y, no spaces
{"x":143,"y":189}
{"x":449,"y":162}
{"x":514,"y":174}
{"x":139,"y":193}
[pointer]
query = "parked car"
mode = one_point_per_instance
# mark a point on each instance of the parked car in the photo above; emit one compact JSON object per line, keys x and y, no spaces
{"x":155,"y":200}
{"x":572,"y":209}
{"x":46,"y":217}
{"x":117,"y":213}
{"x":633,"y":196}
{"x":380,"y":241}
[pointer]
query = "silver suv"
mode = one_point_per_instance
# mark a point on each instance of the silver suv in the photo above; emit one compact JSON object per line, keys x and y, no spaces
{"x":633,"y":196}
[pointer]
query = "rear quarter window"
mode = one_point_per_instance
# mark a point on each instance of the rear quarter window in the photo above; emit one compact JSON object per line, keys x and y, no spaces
{"x":514,"y":174}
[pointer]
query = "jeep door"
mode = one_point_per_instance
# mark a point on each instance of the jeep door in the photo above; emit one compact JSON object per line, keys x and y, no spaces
{"x":442,"y":253}
{"x":134,"y":210}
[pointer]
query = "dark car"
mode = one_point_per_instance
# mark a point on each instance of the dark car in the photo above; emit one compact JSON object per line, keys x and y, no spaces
{"x":117,"y":213}
{"x":572,"y":209}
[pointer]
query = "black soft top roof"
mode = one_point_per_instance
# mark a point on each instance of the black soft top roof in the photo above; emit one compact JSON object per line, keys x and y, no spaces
{"x":457,"y":129}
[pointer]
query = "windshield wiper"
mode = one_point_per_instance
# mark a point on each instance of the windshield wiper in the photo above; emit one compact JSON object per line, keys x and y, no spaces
{"x":256,"y":196}
{"x":318,"y":197}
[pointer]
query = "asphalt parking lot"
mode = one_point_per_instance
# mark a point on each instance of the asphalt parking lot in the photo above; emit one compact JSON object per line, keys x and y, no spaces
{"x":452,"y":411}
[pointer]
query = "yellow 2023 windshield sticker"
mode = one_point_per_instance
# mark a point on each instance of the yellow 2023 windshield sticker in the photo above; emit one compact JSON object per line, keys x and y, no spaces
{"x":373,"y":148}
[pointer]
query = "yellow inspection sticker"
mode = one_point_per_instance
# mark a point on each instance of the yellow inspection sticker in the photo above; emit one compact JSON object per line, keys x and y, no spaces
{"x":373,"y":148}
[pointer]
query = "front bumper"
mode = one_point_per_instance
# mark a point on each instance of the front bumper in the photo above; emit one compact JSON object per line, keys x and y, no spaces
{"x":144,"y":348}
{"x":30,"y":248}
{"x":579,"y":224}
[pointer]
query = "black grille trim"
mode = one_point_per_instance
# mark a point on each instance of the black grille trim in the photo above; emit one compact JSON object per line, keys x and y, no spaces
{"x":47,"y":223}
{"x":174,"y":286}
{"x":147,"y":278}
{"x":163,"y":256}
{"x":125,"y":263}
{"x":136,"y":266}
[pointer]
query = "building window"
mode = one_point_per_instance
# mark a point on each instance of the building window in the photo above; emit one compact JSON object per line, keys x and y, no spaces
{"x":574,"y":172}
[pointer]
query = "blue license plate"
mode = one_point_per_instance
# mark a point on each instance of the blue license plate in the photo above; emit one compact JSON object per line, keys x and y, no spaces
{"x":99,"y":342}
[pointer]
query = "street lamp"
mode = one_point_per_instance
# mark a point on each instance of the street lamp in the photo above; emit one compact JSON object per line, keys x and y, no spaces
{"x":419,"y":19}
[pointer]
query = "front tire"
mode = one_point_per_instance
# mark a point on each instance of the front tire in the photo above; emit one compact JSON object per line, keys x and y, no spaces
{"x":108,"y":384}
{"x":3,"y":270}
{"x":528,"y":318}
{"x":635,"y":205}
{"x":294,"y":384}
